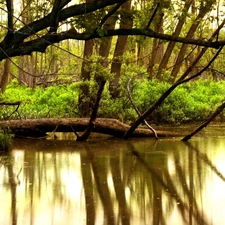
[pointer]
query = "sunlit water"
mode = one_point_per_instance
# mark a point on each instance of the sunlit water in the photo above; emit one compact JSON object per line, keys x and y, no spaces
{"x":138,"y":182}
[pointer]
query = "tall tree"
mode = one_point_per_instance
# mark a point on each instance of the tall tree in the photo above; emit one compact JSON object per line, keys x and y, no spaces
{"x":9,"y":35}
{"x":85,"y":103}
{"x":126,"y":21}
{"x":101,"y":78}
{"x":205,"y":7}
{"x":157,"y":46}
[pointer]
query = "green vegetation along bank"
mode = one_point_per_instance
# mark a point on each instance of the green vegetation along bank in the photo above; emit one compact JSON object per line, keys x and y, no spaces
{"x":191,"y":102}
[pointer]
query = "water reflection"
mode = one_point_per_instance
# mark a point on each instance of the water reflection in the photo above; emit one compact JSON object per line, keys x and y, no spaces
{"x":113,"y":182}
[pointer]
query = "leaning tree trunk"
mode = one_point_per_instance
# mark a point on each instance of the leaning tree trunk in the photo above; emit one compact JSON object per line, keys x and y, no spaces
{"x":181,"y":56}
{"x":171,"y":45}
{"x":178,"y":82}
{"x":93,"y":117}
{"x":211,"y":117}
{"x":101,"y":80}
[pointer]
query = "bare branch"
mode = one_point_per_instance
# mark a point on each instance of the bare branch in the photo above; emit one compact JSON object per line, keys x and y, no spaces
{"x":54,"y":20}
{"x":205,"y":123}
{"x":43,"y":23}
{"x":9,"y":5}
{"x":153,"y":15}
{"x":40,"y":44}
{"x":111,"y":13}
{"x":17,"y":47}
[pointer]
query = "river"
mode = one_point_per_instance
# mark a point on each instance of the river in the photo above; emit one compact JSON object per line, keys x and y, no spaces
{"x":108,"y":181}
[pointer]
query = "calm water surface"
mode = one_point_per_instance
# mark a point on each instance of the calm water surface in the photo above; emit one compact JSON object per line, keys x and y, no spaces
{"x":138,"y":182}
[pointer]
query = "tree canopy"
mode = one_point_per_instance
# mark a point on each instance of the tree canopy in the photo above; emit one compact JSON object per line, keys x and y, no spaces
{"x":24,"y":38}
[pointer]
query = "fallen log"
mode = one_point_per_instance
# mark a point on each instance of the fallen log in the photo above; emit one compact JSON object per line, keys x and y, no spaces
{"x":39,"y":127}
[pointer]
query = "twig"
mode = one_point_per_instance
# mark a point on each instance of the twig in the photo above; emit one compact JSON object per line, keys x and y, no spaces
{"x":12,"y":104}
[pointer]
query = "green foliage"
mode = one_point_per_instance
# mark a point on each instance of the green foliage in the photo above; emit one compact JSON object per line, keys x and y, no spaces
{"x":190,"y":102}
{"x":119,"y":108}
{"x":98,"y":70}
{"x":193,"y":101}
{"x":54,"y":101}
{"x":147,"y":92}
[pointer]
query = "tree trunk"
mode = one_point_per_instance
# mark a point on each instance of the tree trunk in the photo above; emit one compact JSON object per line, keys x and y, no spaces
{"x":180,"y":58}
{"x":157,"y":47}
{"x":85,"y":98}
{"x":5,"y":75}
{"x":167,"y":55}
{"x":125,"y":22}
{"x":211,"y":117}
{"x":101,"y":81}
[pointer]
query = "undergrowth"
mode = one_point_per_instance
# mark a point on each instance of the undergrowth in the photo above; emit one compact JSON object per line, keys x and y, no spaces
{"x":191,"y":102}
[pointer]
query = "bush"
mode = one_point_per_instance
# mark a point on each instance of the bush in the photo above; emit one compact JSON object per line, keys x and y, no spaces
{"x":193,"y":101}
{"x":55,"y":101}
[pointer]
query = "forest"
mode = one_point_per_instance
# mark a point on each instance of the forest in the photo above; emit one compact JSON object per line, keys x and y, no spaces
{"x":110,"y":65}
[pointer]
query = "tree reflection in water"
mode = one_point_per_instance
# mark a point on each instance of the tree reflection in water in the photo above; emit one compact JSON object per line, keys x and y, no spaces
{"x":112,"y":182}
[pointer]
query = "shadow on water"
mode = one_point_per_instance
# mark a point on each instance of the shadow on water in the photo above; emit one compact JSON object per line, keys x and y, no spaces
{"x":113,"y":182}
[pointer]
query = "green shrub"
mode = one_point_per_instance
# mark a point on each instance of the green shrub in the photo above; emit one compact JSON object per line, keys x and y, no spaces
{"x":193,"y":101}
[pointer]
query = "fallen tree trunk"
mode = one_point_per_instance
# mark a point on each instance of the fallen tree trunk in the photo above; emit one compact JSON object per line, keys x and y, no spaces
{"x":39,"y":127}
